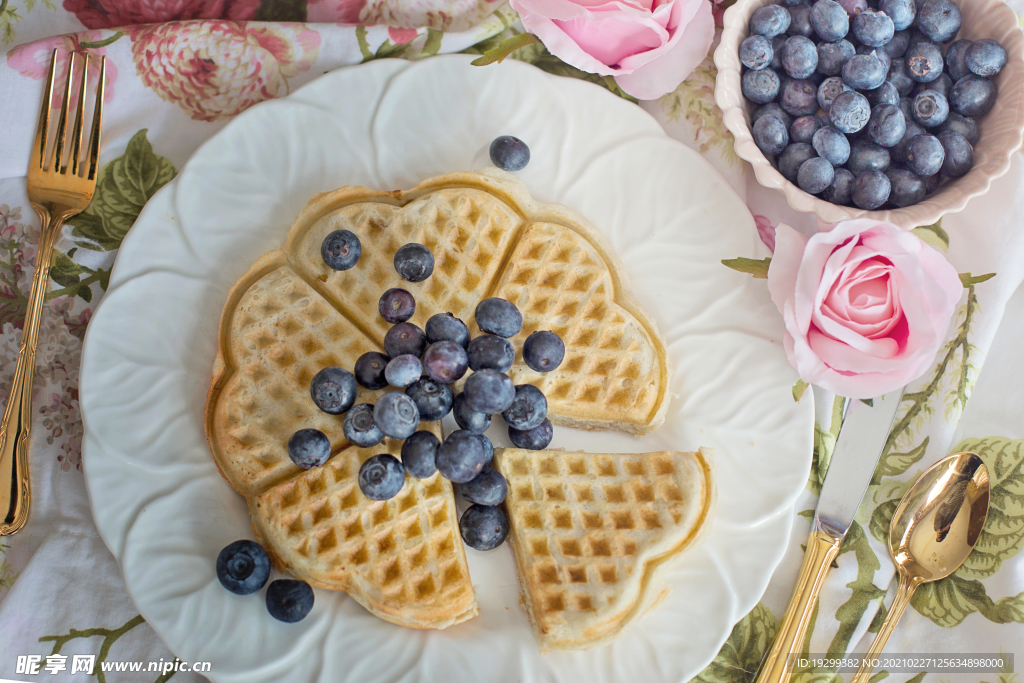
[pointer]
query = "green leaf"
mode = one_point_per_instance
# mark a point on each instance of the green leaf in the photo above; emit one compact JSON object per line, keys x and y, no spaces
{"x":1003,"y":535}
{"x":122,"y":189}
{"x":758,"y":269}
{"x":433,"y":43}
{"x":949,"y":601}
{"x":865,"y":592}
{"x":95,"y":45}
{"x":364,"y":45}
{"x":505,"y":48}
{"x":739,"y":658}
{"x":969,"y":280}
{"x":879,"y":676}
{"x":798,"y":390}
{"x":281,"y":10}
{"x":825,"y":444}
{"x":881,"y":520}
{"x":933,"y":235}
{"x":895,"y":464}
{"x":64,"y":271}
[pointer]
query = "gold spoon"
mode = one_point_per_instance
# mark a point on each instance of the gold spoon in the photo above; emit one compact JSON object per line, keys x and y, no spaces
{"x":933,"y":531}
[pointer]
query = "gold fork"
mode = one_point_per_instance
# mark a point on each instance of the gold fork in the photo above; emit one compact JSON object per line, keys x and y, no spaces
{"x":57,"y":192}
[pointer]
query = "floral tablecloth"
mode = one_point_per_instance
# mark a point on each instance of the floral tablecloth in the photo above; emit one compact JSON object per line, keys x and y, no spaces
{"x":178,"y":71}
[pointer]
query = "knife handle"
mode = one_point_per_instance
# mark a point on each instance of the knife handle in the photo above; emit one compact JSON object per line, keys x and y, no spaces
{"x":822,"y":549}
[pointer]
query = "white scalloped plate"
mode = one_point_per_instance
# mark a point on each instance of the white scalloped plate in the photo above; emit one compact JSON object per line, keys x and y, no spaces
{"x":164,"y":510}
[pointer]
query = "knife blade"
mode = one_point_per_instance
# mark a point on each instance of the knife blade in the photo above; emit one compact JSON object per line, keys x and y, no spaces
{"x":861,"y":439}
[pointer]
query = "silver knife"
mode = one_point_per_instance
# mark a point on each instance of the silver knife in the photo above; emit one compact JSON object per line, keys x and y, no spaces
{"x":856,"y":454}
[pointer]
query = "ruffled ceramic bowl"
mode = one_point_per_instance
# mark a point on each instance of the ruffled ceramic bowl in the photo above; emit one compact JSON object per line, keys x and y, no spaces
{"x":1001,"y":128}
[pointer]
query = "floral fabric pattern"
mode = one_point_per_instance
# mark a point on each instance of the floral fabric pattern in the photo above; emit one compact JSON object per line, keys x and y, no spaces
{"x":115,"y":13}
{"x":33,"y":60}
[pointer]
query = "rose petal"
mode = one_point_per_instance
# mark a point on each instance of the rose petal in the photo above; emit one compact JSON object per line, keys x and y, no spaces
{"x":612,"y":40}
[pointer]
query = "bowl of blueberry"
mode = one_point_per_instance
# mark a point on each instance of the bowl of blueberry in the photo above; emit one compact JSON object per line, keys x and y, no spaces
{"x":897,"y":110}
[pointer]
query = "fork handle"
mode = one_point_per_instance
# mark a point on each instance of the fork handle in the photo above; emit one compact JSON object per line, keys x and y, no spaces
{"x":17,"y":422}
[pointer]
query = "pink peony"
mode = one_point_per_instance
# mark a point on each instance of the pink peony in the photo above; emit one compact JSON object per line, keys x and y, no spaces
{"x":866,"y":305}
{"x":33,"y":60}
{"x":765,"y":230}
{"x":649,"y":46}
{"x":217,"y":69}
{"x":114,"y":13}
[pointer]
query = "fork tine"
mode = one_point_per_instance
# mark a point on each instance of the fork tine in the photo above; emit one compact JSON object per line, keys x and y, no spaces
{"x":39,"y":146}
{"x":97,"y":119}
{"x":76,"y":135}
{"x":62,"y":124}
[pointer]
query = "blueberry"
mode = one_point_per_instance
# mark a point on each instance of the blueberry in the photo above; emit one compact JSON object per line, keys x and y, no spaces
{"x":529,"y":408}
{"x":469,"y":419}
{"x":942,"y":85}
{"x":853,"y":7}
{"x":900,"y":78}
{"x":964,"y":125}
{"x":832,"y":56}
{"x":815,"y":175}
{"x":864,"y":72}
{"x":799,"y":97}
{"x":841,"y":189}
{"x":902,"y":148}
{"x":445,"y":361}
{"x":902,"y":12}
{"x":486,"y":488}
{"x":289,"y":600}
{"x":418,"y":454}
{"x":832,"y":145}
{"x":803,"y":128}
{"x":932,"y":182}
{"x":414,"y":262}
{"x":484,"y":527}
{"x":849,"y":112}
{"x":489,"y":391}
{"x":340,"y":250}
{"x":871,"y":190}
{"x":396,"y":305}
{"x":772,"y":109}
{"x":867,"y":156}
{"x":924,"y":62}
{"x":534,"y":439}
{"x":433,"y":399}
{"x":791,"y":159}
{"x":488,"y":448}
{"x":446,"y":327}
{"x":243,"y":567}
{"x":872,"y":28}
{"x":956,"y":62}
{"x":972,"y":96}
{"x":509,"y":153}
{"x":381,"y":477}
{"x":906,"y":106}
{"x":543,"y":351}
{"x":883,"y":94}
{"x":829,"y":90}
{"x":881,"y":54}
{"x":799,"y":57}
{"x":369,"y":370}
{"x":769,"y":21}
{"x":460,"y":457}
{"x":939,"y":20}
{"x":756,"y":52}
{"x":959,"y":154}
{"x":498,"y":316}
{"x":491,"y":352}
{"x":359,"y":427}
{"x":887,"y":125}
{"x":930,"y":109}
{"x":333,"y":390}
{"x":777,"y":43}
{"x":403,"y":370}
{"x":897,"y":47}
{"x":907,"y":187}
{"x":770,"y":135}
{"x":800,"y":20}
{"x":396,"y":415}
{"x":405,"y":338}
{"x":829,"y":20}
{"x":760,"y":86}
{"x":309,"y":448}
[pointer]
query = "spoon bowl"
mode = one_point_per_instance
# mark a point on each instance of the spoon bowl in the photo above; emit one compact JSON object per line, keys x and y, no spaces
{"x":934,"y":529}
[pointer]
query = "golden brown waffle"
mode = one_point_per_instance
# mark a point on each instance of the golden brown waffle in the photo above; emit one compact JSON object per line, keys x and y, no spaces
{"x":589,"y":531}
{"x":402,"y":559}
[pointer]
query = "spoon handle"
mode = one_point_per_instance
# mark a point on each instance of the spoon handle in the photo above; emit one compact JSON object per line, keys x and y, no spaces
{"x":904,"y":591}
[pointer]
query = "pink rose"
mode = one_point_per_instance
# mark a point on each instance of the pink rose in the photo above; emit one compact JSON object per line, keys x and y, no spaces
{"x":866,"y":305}
{"x":649,"y":46}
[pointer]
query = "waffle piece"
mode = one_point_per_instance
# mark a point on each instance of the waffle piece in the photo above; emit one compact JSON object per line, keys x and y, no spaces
{"x":402,"y":559}
{"x":589,"y":531}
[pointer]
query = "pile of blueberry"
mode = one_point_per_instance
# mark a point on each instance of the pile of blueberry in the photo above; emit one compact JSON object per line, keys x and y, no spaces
{"x":425,"y":363}
{"x":867,"y":103}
